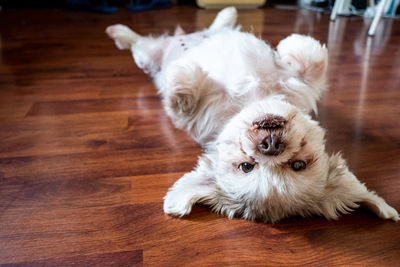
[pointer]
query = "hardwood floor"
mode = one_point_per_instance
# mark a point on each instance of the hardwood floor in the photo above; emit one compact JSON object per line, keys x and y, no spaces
{"x":87,"y":153}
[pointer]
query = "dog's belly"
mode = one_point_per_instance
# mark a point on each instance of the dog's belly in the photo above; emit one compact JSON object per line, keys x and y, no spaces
{"x":179,"y":45}
{"x":236,"y":60}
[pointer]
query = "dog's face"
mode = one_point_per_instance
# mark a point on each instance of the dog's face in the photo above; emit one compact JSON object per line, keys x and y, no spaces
{"x":268,"y":163}
{"x":269,"y":158}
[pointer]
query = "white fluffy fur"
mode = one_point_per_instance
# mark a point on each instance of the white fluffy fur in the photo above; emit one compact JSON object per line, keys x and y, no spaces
{"x":215,"y":83}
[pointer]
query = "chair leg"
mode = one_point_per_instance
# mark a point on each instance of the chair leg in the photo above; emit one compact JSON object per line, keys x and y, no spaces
{"x":335,"y":9}
{"x":377,"y":17}
{"x":341,"y":7}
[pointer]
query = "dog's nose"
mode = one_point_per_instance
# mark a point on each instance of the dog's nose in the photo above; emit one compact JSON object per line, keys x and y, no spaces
{"x":272,"y":145}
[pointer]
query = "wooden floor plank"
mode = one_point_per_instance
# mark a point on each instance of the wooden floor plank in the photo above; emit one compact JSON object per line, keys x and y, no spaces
{"x":126,"y":258}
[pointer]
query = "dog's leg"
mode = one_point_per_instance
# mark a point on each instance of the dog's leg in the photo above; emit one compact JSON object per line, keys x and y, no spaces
{"x":193,"y":100}
{"x":305,"y":57}
{"x":306,"y":60}
{"x":227,"y":17}
{"x":184,"y":86}
{"x":193,"y":187}
{"x":344,"y":191}
{"x":123,"y":36}
{"x":147,"y":51}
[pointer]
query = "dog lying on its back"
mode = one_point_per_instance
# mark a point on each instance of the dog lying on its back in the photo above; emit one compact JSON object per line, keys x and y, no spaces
{"x":248,"y":106}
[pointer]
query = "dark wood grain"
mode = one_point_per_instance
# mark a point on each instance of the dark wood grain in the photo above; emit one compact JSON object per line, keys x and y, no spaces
{"x":87,"y":153}
{"x":128,"y":258}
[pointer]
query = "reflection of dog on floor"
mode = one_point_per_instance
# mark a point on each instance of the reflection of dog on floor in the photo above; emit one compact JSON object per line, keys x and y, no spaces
{"x":247,"y":105}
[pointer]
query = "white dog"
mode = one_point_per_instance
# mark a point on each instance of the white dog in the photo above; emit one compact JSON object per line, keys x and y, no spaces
{"x":248,"y":106}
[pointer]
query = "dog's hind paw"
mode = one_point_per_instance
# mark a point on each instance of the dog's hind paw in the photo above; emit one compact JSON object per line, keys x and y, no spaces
{"x":227,"y":17}
{"x":122,"y":36}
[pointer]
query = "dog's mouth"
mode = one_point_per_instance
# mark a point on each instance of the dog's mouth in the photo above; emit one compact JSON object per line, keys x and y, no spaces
{"x":269,"y":122}
{"x":267,"y":134}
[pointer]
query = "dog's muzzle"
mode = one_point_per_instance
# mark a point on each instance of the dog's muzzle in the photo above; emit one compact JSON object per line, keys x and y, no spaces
{"x":271,"y":145}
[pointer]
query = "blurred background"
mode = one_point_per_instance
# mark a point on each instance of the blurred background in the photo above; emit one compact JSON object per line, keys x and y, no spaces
{"x":111,"y":6}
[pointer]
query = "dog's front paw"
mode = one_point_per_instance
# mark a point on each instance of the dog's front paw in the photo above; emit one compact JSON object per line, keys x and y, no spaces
{"x":177,"y":203}
{"x":184,"y":91}
{"x":305,"y":56}
{"x":389,"y":213}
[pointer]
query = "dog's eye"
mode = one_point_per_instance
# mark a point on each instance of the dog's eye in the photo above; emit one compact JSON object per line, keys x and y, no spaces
{"x":298,"y":165}
{"x":246,"y":167}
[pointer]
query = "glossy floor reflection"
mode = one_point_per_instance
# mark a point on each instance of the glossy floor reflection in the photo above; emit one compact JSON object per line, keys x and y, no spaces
{"x":87,"y":153}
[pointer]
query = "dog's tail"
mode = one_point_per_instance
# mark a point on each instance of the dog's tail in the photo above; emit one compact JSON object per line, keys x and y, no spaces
{"x":306,"y":58}
{"x":122,"y":35}
{"x":227,"y":17}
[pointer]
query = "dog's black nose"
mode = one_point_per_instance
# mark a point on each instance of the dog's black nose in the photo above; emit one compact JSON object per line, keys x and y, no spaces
{"x":272,"y":145}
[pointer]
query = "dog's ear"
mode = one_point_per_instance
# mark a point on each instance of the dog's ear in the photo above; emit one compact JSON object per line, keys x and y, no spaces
{"x":344,"y":191}
{"x":193,"y":187}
